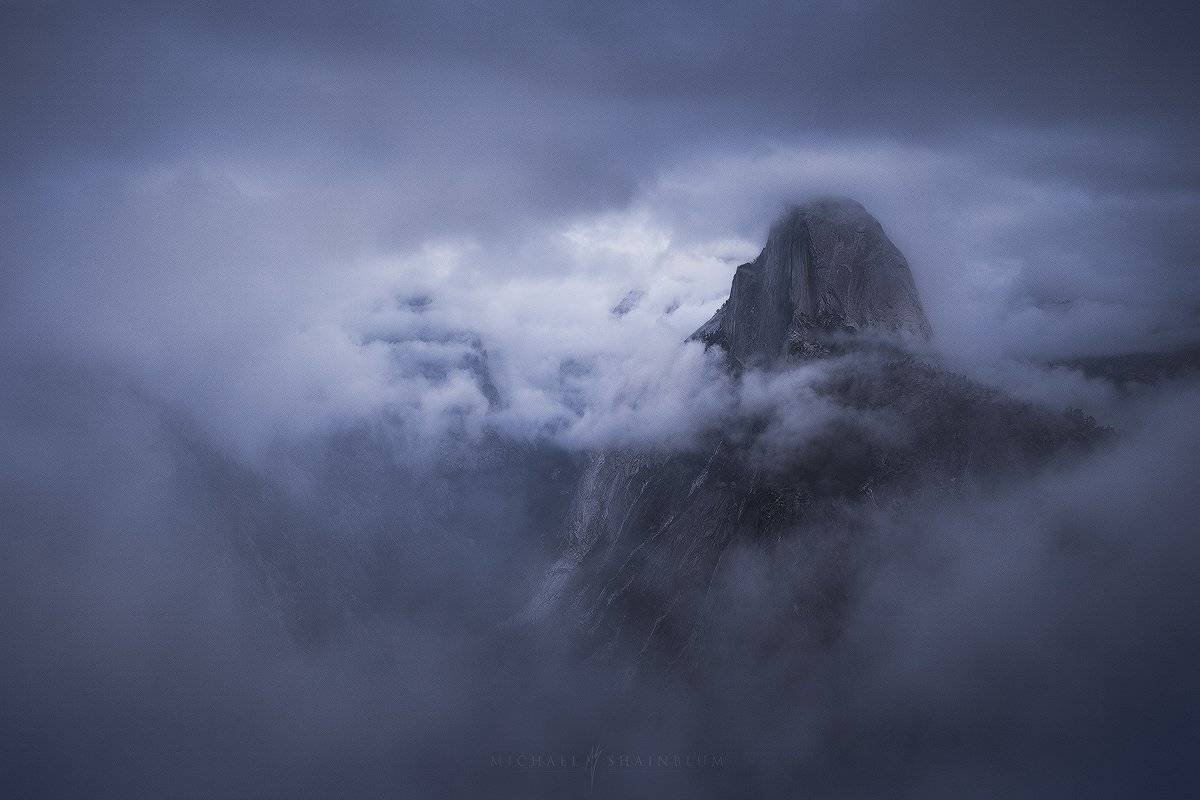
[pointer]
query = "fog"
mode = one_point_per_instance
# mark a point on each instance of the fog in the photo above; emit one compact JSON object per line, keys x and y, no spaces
{"x":313,"y":321}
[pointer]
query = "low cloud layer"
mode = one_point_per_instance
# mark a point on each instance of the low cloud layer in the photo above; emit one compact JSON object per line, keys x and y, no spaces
{"x":237,"y":309}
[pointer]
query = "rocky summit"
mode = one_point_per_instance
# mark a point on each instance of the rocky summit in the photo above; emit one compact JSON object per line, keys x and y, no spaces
{"x":648,"y":571}
{"x":828,"y":270}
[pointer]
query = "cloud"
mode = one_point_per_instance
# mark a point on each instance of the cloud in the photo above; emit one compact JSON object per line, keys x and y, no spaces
{"x":307,"y":325}
{"x":266,"y":317}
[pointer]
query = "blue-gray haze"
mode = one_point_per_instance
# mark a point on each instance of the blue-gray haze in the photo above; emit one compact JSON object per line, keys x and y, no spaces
{"x":307,"y":316}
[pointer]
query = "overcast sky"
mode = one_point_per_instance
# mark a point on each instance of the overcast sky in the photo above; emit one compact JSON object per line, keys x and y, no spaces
{"x":195,"y":194}
{"x":285,"y":220}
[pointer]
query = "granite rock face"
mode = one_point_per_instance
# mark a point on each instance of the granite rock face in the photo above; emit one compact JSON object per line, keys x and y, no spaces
{"x":828,"y":270}
{"x":648,"y":576}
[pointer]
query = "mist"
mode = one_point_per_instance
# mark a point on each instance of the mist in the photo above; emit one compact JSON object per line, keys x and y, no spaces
{"x":318,"y":326}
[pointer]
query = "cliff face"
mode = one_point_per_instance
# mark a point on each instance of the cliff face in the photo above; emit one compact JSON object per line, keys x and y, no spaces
{"x":644,"y":577}
{"x":828,"y":269}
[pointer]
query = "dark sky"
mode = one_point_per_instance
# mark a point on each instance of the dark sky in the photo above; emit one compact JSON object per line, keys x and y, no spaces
{"x":1042,"y":151}
{"x":203,"y":196}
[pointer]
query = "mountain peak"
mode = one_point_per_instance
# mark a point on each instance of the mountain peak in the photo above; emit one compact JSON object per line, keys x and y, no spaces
{"x":828,"y":270}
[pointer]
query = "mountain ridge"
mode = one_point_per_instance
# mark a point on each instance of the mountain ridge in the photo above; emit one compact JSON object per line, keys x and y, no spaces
{"x":649,"y":534}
